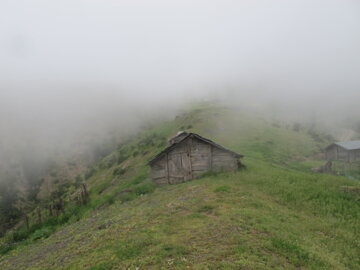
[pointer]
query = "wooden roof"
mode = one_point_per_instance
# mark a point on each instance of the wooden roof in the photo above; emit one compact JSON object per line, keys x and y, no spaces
{"x":192,"y":135}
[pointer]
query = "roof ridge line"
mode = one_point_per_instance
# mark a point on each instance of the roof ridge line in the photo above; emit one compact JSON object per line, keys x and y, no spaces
{"x":167,"y":149}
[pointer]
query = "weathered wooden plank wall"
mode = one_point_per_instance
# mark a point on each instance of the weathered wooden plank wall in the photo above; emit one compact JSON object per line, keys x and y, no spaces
{"x":199,"y":157}
{"x":159,"y":171}
{"x":338,"y":153}
{"x":223,"y":160}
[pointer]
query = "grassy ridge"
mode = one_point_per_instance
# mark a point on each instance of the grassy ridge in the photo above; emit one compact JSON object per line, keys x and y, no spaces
{"x":266,"y":216}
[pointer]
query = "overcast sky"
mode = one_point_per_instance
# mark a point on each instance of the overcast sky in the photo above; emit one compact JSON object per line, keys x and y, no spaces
{"x":151,"y":44}
{"x":64,"y":62}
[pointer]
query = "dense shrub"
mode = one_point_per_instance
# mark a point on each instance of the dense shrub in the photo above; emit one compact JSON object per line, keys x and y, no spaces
{"x":5,"y":248}
{"x":42,"y":233}
{"x":20,"y":235}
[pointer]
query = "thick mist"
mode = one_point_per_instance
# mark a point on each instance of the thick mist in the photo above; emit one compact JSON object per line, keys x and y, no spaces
{"x":98,"y":55}
{"x":75,"y":72}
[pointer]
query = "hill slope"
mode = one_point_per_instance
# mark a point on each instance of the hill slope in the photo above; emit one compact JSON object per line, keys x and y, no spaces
{"x":273,"y":214}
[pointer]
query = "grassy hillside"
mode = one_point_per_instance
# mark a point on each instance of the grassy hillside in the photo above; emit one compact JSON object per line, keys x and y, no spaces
{"x":273,"y":214}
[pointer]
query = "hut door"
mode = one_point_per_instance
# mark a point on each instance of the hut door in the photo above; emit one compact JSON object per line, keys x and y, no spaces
{"x":179,"y":167}
{"x":186,"y":165}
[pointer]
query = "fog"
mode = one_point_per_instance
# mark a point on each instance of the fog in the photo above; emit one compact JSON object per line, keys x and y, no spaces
{"x":73,"y":71}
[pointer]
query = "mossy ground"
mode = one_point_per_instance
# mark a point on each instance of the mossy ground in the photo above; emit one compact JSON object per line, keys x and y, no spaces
{"x":272,"y":215}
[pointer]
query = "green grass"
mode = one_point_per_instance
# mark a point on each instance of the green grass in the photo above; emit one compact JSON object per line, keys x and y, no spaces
{"x":226,"y":189}
{"x":275,"y":214}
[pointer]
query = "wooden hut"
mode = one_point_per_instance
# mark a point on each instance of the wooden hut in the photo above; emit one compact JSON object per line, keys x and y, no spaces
{"x":189,"y":155}
{"x":344,"y":151}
